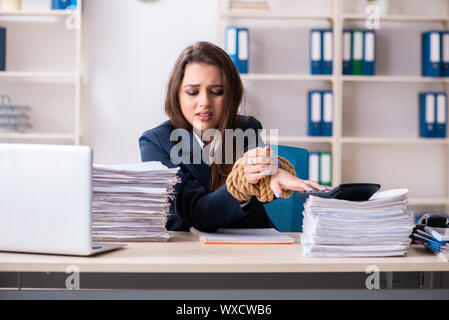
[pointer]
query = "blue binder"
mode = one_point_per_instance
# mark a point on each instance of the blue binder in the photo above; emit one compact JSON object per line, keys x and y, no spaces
{"x":2,"y":49}
{"x":242,"y":50}
{"x":431,"y":54}
{"x":427,"y":115}
{"x":369,"y":52}
{"x":441,"y":114}
{"x":327,"y":102}
{"x":237,"y":46}
{"x":347,"y":51}
{"x":445,"y":53}
{"x":60,"y":4}
{"x":315,"y":102}
{"x":327,"y":51}
{"x":231,"y":43}
{"x":316,"y":51}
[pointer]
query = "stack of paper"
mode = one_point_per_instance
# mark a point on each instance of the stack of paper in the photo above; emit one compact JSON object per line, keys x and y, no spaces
{"x":131,"y":201}
{"x":13,"y":117}
{"x":380,"y":226}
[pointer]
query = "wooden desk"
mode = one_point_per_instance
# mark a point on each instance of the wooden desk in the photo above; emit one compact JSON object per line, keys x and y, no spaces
{"x":183,"y":253}
{"x":184,"y":268}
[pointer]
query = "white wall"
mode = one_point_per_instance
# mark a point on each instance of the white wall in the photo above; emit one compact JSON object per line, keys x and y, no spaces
{"x":130,"y":48}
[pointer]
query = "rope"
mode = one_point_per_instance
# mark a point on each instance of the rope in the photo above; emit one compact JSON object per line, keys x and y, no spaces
{"x":242,"y":190}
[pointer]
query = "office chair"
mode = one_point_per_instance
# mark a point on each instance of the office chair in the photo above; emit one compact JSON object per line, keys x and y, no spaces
{"x":286,"y":214}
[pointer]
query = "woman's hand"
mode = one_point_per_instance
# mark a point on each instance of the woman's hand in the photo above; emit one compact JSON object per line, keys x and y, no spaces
{"x":282,"y":180}
{"x":258,"y":163}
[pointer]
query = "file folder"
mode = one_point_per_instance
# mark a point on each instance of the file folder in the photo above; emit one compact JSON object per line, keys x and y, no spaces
{"x":431,"y":54}
{"x":427,"y":114}
{"x":328,"y":49}
{"x":314,"y":166}
{"x":357,"y":52}
{"x":369,"y":52}
{"x":314,"y":113}
{"x":231,"y":43}
{"x":60,"y":4}
{"x":315,"y":51}
{"x":243,"y":50}
{"x":325,"y":169}
{"x":445,"y":53}
{"x":2,"y":49}
{"x":347,"y":51}
{"x":327,"y":113}
{"x":441,"y":115}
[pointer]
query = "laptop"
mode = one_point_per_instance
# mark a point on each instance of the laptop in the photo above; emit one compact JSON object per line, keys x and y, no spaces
{"x":46,"y":200}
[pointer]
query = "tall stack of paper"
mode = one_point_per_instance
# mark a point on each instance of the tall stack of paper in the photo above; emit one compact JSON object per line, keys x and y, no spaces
{"x":131,"y":201}
{"x":380,"y":226}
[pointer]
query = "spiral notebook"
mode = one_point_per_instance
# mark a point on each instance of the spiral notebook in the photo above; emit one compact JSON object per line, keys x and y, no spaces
{"x":243,"y":236}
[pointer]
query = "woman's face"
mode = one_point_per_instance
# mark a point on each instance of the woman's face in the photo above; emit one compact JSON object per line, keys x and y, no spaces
{"x":201,"y":95}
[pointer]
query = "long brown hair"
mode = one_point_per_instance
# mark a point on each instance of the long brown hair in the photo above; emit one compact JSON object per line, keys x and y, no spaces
{"x":207,"y":53}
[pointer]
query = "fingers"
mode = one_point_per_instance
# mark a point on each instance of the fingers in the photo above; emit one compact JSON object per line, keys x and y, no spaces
{"x":255,"y":177}
{"x":269,"y":169}
{"x":276,"y":187}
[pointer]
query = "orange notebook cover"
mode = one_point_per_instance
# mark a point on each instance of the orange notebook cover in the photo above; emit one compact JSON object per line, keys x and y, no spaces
{"x":243,"y":236}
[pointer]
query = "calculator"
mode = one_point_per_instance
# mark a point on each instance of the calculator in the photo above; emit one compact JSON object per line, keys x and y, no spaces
{"x":346,"y":191}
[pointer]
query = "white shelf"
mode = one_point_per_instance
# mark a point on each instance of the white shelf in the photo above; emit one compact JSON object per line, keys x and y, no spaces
{"x":396,"y":18}
{"x":273,"y":16}
{"x":393,"y":140}
{"x":395,"y":79}
{"x":48,"y":76}
{"x":285,"y":77}
{"x":305,"y":139}
{"x":36,"y":136}
{"x":49,"y":13}
{"x":428,"y":201}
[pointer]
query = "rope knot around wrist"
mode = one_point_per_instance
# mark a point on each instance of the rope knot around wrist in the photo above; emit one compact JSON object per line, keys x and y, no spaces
{"x":242,"y":190}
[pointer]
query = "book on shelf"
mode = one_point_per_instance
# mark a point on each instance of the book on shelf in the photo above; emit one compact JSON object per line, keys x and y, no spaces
{"x":359,"y":52}
{"x":320,"y":167}
{"x":63,"y":4}
{"x":2,"y":49}
{"x":321,"y":51}
{"x":237,"y":46}
{"x":433,"y":114}
{"x":248,"y":6}
{"x":320,"y":113}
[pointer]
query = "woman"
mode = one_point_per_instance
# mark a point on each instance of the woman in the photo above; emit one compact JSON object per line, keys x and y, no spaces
{"x":204,"y":93}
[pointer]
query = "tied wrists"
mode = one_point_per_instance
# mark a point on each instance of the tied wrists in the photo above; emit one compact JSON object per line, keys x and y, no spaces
{"x":242,"y":190}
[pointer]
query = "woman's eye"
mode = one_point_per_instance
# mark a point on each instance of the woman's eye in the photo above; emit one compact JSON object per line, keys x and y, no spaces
{"x":192,"y":93}
{"x":217,"y":93}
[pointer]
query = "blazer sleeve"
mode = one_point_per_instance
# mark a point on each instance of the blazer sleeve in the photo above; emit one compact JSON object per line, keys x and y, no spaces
{"x":206,"y":211}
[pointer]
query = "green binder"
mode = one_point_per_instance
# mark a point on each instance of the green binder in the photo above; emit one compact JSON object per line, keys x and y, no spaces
{"x":357,"y":52}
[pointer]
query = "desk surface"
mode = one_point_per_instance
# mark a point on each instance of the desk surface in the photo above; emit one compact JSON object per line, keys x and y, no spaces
{"x":183,"y":253}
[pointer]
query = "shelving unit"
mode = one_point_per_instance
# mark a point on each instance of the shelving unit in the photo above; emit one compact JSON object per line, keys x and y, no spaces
{"x":337,"y":18}
{"x":74,"y":78}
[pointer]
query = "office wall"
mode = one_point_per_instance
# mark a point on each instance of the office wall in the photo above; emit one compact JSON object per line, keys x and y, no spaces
{"x":130,"y":47}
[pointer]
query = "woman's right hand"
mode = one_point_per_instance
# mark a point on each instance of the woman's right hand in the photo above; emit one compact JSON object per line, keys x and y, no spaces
{"x":259,"y":163}
{"x":283,"y":180}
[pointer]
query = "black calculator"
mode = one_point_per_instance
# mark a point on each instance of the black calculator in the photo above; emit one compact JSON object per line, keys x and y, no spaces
{"x":346,"y":191}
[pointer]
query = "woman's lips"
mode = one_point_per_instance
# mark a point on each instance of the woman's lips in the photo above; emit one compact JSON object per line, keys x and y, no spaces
{"x":204,"y":115}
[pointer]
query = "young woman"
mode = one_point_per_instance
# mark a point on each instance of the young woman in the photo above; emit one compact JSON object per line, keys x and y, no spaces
{"x":204,"y":93}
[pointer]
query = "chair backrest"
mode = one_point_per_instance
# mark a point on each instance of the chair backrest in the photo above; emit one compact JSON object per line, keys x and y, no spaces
{"x":286,"y":214}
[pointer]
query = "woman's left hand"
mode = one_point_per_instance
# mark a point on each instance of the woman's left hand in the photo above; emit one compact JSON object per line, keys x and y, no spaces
{"x":282,"y":180}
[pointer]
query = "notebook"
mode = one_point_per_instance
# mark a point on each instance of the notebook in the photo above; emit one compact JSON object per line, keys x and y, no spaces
{"x":243,"y":236}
